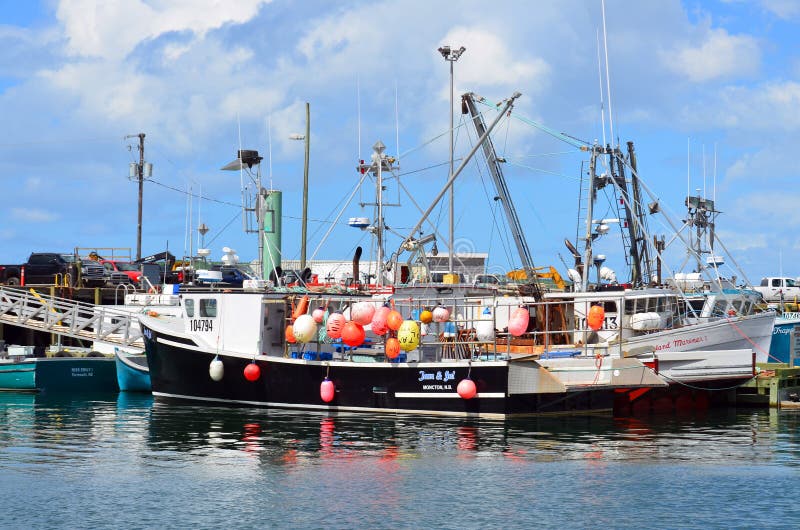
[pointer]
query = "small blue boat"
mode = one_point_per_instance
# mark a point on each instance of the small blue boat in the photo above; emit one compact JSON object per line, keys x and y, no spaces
{"x":782,"y":337}
{"x":133,"y":375}
{"x":58,"y":374}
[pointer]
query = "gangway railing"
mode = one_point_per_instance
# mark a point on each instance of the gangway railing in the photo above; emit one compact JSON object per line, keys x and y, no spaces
{"x":69,"y":318}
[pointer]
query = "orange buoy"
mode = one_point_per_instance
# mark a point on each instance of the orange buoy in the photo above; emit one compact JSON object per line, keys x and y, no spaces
{"x":290,"y":334}
{"x":252,"y":372}
{"x":596,"y":317}
{"x":426,"y":317}
{"x":392,"y":348}
{"x":318,"y":315}
{"x":353,"y":334}
{"x":301,"y":308}
{"x":394,"y":320}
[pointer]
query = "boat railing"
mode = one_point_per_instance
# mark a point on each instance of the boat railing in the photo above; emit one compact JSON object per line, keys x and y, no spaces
{"x":474,"y":328}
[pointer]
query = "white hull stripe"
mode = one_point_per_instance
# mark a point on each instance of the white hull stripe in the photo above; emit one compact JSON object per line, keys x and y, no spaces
{"x":491,"y":415}
{"x":446,"y":395}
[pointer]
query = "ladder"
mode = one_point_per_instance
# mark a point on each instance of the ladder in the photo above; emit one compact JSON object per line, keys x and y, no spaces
{"x":69,"y":318}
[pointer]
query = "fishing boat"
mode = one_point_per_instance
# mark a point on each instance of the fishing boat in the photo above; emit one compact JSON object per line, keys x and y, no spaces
{"x":61,"y":372}
{"x":230,"y":348}
{"x":586,"y":350}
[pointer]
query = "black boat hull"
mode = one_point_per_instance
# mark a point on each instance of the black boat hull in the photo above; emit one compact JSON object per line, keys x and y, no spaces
{"x":181,"y":373}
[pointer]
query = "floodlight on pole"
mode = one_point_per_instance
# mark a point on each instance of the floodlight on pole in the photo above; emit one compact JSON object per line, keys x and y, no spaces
{"x":451,"y":55}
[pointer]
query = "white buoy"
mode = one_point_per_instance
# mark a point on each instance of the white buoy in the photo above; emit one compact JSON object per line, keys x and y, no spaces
{"x":305,"y":328}
{"x":216,"y":369}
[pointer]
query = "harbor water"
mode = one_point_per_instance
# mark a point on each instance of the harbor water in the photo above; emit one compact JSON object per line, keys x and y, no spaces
{"x":123,"y":461}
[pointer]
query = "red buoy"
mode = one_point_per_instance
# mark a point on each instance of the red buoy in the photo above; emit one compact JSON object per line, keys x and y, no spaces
{"x":353,"y":334}
{"x":327,"y":390}
{"x":252,"y":372}
{"x":290,"y":334}
{"x":467,"y":389}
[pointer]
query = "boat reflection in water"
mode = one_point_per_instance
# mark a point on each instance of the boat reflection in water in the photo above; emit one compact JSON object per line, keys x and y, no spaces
{"x":296,"y":438}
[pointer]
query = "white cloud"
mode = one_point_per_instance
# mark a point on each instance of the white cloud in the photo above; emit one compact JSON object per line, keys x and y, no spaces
{"x":786,"y":9}
{"x":769,"y":107}
{"x":769,"y":208}
{"x":113,"y":28}
{"x":720,"y":55}
{"x":739,"y":242}
{"x":33,"y":215}
{"x":489,"y":60}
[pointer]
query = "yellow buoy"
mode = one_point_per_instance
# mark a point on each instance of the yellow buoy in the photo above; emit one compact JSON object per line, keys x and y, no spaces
{"x":408,"y":335}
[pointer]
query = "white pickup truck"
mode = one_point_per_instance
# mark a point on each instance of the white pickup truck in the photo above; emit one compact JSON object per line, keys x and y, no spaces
{"x":775,"y":288}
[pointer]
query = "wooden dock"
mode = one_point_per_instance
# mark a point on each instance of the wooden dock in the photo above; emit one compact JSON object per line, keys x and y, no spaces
{"x":776,"y":385}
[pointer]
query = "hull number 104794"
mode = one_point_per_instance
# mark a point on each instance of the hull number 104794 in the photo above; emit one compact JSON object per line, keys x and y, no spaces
{"x":201,"y":324}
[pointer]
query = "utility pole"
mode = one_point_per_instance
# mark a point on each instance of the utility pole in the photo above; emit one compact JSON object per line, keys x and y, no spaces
{"x":141,"y":194}
{"x":139,"y":172}
{"x":304,"y":222}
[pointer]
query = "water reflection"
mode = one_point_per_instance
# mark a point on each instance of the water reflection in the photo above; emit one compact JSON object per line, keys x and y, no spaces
{"x":46,"y":429}
{"x":287,"y":437}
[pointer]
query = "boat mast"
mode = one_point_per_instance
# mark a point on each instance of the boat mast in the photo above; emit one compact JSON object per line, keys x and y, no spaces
{"x":501,"y":187}
{"x":377,"y":156}
{"x":409,"y":242}
{"x":587,"y":252}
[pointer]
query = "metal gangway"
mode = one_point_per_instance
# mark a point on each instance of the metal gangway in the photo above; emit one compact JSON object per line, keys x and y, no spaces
{"x":33,"y":310}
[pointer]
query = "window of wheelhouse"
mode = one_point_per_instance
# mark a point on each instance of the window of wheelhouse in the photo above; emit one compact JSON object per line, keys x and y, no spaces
{"x":208,"y":307}
{"x":189,"y":305}
{"x":609,"y":306}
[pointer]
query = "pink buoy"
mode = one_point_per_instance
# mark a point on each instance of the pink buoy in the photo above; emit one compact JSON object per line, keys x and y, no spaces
{"x":379,"y":320}
{"x":441,"y":314}
{"x":318,"y":315}
{"x":518,"y":323}
{"x":327,"y":390}
{"x":334,"y":326}
{"x":362,"y":313}
{"x":467,"y":389}
{"x":252,"y":372}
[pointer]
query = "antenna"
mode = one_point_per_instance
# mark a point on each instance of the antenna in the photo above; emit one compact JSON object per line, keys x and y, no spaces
{"x":688,"y":169}
{"x":396,"y":125}
{"x":358,"y":108}
{"x":704,"y":171}
{"x":600,"y":80}
{"x":608,"y":78}
{"x":187,"y":233}
{"x":269,"y":143}
{"x":714,"y":197}
{"x":241,"y":173}
{"x":199,"y":205}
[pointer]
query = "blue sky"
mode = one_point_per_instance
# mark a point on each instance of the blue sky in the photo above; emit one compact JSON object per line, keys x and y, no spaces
{"x":76,"y":77}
